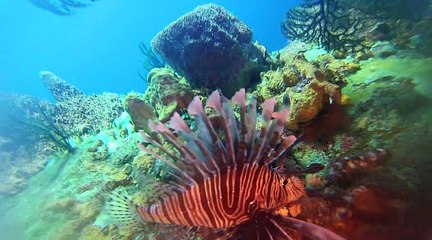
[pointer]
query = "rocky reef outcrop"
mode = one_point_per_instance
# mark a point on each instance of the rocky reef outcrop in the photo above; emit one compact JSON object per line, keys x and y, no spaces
{"x":212,"y":49}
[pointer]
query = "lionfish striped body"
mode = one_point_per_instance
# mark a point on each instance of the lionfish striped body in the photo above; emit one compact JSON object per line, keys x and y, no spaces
{"x":224,"y":179}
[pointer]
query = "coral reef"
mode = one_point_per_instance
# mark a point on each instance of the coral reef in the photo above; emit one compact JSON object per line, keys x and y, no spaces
{"x":29,"y":118}
{"x":212,"y":49}
{"x":75,"y":215}
{"x":415,"y":35}
{"x":167,"y":92}
{"x":344,"y":110}
{"x":59,"y":88}
{"x":62,"y":7}
{"x":77,"y":113}
{"x":306,"y":105}
{"x":310,"y":84}
{"x":17,"y":167}
{"x":33,"y":129}
{"x":28,"y":138}
{"x":391,"y":9}
{"x":326,"y":23}
{"x":403,"y":23}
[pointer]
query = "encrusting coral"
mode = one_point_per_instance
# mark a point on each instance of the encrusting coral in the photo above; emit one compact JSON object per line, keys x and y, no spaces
{"x":310,"y":84}
{"x":167,"y":92}
{"x":139,"y":111}
{"x":306,"y":105}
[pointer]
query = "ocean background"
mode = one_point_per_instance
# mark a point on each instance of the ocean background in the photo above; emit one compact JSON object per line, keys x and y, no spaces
{"x":73,"y":106}
{"x":96,"y":49}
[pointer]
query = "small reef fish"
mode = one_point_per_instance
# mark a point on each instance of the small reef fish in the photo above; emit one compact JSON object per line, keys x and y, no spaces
{"x":225,"y":182}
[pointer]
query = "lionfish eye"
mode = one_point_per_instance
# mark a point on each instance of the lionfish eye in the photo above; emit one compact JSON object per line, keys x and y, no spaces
{"x":285,"y":182}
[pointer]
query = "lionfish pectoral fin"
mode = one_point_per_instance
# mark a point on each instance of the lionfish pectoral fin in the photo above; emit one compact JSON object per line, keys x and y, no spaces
{"x":267,"y":225}
{"x":309,"y":230}
{"x":121,"y":208}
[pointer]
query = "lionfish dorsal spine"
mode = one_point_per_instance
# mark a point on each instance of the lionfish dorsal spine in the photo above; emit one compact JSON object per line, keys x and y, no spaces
{"x":229,"y":126}
{"x":215,"y":144}
{"x":201,"y":154}
{"x":179,"y":173}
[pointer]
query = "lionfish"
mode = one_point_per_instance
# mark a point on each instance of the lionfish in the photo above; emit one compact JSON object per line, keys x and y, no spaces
{"x":225,"y":177}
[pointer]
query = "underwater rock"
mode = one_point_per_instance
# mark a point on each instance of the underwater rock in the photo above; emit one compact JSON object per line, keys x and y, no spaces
{"x":139,"y":111}
{"x":212,"y":49}
{"x":62,"y":7}
{"x":167,"y":92}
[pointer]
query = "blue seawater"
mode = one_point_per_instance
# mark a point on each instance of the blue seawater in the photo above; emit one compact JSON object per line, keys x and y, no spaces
{"x":96,"y":47}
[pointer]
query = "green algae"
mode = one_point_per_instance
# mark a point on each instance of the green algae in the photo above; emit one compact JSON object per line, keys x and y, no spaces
{"x":373,"y":70}
{"x":392,"y":109}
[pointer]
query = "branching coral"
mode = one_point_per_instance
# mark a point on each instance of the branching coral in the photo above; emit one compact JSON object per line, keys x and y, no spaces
{"x":324,"y":22}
